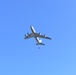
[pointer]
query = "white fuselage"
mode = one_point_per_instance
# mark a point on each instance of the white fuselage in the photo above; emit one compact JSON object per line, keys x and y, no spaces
{"x":33,"y":34}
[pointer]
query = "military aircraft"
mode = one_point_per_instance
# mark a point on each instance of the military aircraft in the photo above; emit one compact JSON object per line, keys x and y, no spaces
{"x":36,"y":36}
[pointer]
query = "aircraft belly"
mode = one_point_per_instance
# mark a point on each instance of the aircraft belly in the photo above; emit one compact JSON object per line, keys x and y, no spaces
{"x":36,"y":36}
{"x":37,"y":39}
{"x":32,"y":35}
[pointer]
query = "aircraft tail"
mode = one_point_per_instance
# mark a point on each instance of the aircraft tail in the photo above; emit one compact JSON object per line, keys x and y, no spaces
{"x":40,"y":44}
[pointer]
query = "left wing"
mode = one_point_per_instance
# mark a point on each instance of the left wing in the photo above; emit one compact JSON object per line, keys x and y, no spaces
{"x":28,"y":36}
{"x":42,"y":36}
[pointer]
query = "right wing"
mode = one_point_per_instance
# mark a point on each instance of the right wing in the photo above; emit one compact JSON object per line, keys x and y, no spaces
{"x":28,"y":36}
{"x":42,"y":36}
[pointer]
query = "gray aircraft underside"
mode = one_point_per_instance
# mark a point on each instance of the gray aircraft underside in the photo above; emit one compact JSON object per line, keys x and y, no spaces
{"x":36,"y":36}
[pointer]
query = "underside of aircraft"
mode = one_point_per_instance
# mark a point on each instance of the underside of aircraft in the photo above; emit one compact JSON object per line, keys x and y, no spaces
{"x":36,"y":36}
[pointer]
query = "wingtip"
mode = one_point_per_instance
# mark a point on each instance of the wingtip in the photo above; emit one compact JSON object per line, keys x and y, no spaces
{"x":31,"y":26}
{"x":50,"y":38}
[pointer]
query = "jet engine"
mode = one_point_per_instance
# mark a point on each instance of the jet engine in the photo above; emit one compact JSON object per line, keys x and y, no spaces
{"x":28,"y":33}
{"x":39,"y":33}
{"x":44,"y":35}
{"x":25,"y":34}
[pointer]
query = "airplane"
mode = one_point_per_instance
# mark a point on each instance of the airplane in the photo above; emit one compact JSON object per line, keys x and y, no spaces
{"x":36,"y":36}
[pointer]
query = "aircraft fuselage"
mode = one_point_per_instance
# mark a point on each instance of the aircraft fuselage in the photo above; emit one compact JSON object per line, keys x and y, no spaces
{"x":36,"y":36}
{"x":33,"y":34}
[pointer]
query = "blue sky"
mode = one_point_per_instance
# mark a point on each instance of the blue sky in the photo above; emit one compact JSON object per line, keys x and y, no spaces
{"x":56,"y":19}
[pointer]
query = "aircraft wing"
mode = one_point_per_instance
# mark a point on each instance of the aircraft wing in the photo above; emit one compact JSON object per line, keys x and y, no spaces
{"x":42,"y":36}
{"x":28,"y":36}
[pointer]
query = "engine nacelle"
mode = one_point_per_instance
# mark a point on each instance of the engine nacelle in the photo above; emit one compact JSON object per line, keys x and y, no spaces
{"x":39,"y":33}
{"x":44,"y":35}
{"x":28,"y":33}
{"x":25,"y":34}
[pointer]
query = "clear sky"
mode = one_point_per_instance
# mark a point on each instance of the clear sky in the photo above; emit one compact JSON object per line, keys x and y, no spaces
{"x":56,"y":19}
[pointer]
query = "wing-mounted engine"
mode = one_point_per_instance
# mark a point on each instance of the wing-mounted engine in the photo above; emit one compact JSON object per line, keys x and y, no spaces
{"x":28,"y":33}
{"x":39,"y":33}
{"x":25,"y":35}
{"x":44,"y":35}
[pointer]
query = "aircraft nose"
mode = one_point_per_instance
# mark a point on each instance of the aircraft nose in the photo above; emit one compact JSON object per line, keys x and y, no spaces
{"x":30,"y":26}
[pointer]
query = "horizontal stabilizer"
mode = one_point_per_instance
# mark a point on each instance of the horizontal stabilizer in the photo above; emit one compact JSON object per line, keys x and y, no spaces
{"x":40,"y":44}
